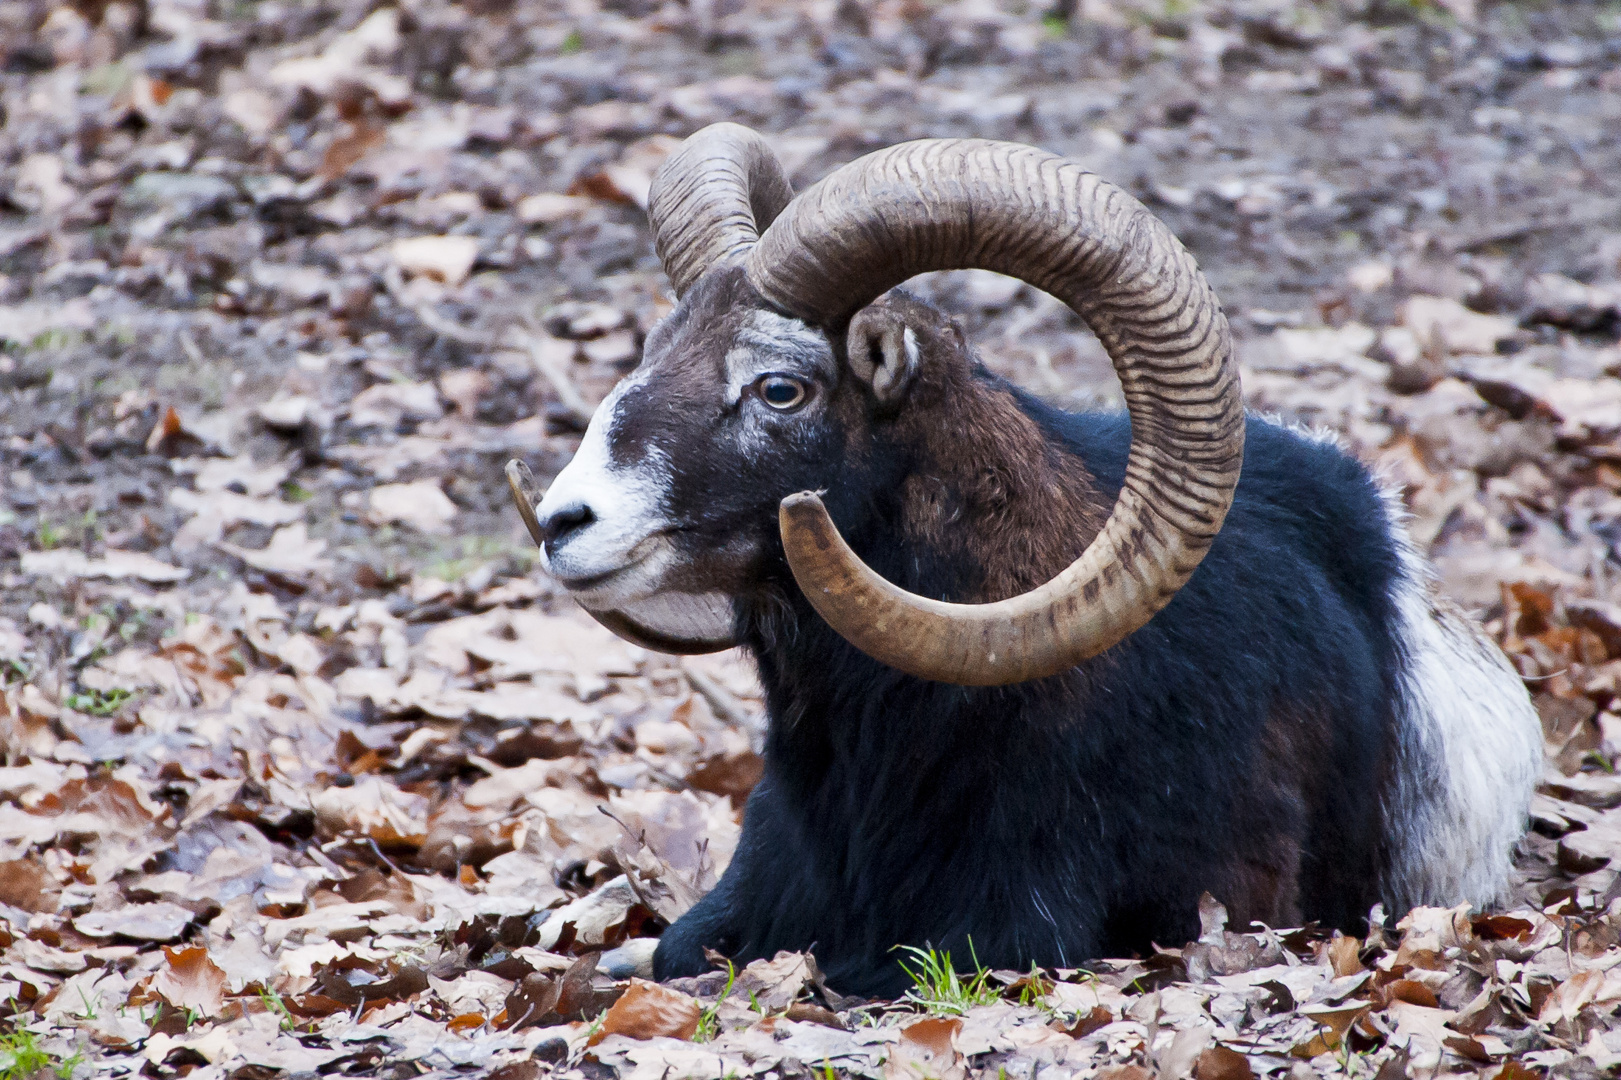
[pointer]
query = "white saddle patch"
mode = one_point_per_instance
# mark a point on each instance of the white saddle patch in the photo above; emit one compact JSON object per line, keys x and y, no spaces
{"x":1468,"y":757}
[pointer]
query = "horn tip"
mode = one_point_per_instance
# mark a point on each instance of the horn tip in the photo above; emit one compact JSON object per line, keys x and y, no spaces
{"x":803,"y":509}
{"x":800,"y":499}
{"x":526,"y":494}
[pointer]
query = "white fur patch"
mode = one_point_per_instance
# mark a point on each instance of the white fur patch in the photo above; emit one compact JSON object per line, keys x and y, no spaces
{"x":1468,"y":756}
{"x":619,"y":562}
{"x":626,"y":504}
{"x":770,"y":342}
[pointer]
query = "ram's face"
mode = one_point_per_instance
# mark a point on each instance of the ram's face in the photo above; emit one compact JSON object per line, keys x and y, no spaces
{"x":669,"y":509}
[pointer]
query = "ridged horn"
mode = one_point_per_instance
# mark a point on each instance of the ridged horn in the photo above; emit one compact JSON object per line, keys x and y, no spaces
{"x":711,"y":198}
{"x":953,"y":204}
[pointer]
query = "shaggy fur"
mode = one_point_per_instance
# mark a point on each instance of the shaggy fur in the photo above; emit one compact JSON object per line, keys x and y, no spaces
{"x":1236,"y":744}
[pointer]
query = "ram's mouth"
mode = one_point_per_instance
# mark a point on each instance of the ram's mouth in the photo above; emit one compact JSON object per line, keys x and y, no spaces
{"x":638,"y":577}
{"x":593,"y":582}
{"x":527,"y":495}
{"x":681,"y":623}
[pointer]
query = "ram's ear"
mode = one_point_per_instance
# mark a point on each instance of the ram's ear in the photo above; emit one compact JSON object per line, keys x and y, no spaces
{"x":883,"y":352}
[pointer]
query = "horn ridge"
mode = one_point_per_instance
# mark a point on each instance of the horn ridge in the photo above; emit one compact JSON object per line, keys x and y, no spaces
{"x":959,"y":203}
{"x":710,"y":199}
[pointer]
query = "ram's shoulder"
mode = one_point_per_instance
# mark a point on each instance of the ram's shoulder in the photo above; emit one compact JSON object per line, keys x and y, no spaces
{"x":1306,"y":471}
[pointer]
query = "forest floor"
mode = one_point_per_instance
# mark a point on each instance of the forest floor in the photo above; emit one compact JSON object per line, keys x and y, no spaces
{"x":307,"y":768}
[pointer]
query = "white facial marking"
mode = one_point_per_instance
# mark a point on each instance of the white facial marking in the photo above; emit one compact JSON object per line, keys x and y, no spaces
{"x":620,"y":559}
{"x":770,"y":342}
{"x":625,"y":537}
{"x":618,"y":562}
{"x":1469,"y":752}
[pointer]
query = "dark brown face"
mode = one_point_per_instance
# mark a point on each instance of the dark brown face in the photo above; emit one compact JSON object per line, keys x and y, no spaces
{"x":668,"y":513}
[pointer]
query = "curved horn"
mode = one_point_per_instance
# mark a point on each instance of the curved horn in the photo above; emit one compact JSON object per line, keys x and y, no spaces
{"x":953,"y":204}
{"x":711,"y":198}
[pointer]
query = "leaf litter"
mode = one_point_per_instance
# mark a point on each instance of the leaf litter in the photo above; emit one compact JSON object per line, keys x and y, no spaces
{"x":307,"y":771}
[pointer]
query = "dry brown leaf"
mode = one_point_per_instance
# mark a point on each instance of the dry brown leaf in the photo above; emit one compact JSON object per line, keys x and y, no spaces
{"x":1501,"y":927}
{"x":1336,"y":1020}
{"x":170,"y":436}
{"x":1086,"y":1022}
{"x":1411,"y":991}
{"x":421,"y":505}
{"x":532,"y":1001}
{"x":593,"y":917}
{"x":446,"y":259}
{"x":26,"y":884}
{"x":292,"y":552}
{"x":1124,"y":1072}
{"x":189,"y":979}
{"x":1446,"y":324}
{"x":1342,"y":955}
{"x":547,"y":208}
{"x":1513,"y":1070}
{"x":1220,"y":1063}
{"x":733,"y":775}
{"x":648,"y":1010}
{"x":777,"y":983}
{"x":926,"y":1051}
{"x":66,"y":564}
{"x":1177,"y":1060}
{"x":806,"y":1012}
{"x":348,"y":149}
{"x":374,"y":808}
{"x":162,"y":921}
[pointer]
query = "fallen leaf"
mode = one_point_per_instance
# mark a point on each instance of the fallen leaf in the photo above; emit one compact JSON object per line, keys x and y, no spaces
{"x":1342,"y":955}
{"x":67,"y":564}
{"x":292,"y":552}
{"x":926,"y":1052}
{"x":347,"y":150}
{"x":375,"y":809}
{"x":190,"y":980}
{"x":142,"y":922}
{"x":26,"y":884}
{"x":170,"y":437}
{"x":1087,"y":1022}
{"x":547,"y":209}
{"x":421,"y":505}
{"x":777,"y":983}
{"x":648,"y":1010}
{"x":390,"y":404}
{"x":1446,"y":324}
{"x":1220,"y":1063}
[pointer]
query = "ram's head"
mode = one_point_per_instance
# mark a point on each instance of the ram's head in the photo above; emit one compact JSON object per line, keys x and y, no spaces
{"x":785,"y":372}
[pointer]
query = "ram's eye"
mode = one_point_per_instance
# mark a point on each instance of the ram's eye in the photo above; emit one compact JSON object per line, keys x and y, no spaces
{"x":782,"y":393}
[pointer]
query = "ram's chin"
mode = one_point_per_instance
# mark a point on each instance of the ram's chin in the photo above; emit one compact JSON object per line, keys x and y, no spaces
{"x":671,"y":622}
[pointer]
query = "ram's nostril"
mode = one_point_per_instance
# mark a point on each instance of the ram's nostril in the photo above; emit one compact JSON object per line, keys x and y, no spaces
{"x":564,"y":522}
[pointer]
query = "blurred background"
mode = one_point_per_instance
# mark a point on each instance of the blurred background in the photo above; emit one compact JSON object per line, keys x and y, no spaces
{"x":379,"y":237}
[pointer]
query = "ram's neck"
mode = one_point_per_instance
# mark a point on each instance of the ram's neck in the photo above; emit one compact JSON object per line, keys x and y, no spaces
{"x":975,"y":504}
{"x":990,"y":506}
{"x":972,"y":503}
